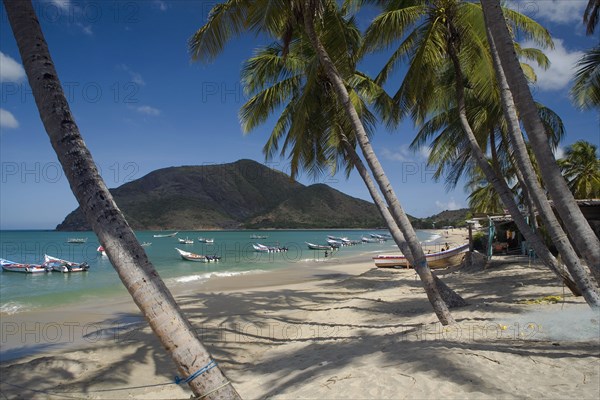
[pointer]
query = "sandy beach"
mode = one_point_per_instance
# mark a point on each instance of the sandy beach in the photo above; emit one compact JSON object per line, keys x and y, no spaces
{"x":327,"y":330}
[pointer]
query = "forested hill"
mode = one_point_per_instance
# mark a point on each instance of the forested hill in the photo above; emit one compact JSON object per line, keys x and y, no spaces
{"x":243,"y":194}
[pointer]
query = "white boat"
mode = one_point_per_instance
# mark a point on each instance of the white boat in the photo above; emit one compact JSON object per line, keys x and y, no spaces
{"x":317,"y":246}
{"x":369,"y":240}
{"x":255,"y":236}
{"x":382,"y":237}
{"x":185,"y":241}
{"x":101,"y":250}
{"x":77,"y":240}
{"x":56,"y":264}
{"x":186,"y":255}
{"x":205,"y":240}
{"x":335,"y":243}
{"x":12,"y":266}
{"x":261,"y":248}
{"x":440,"y":259}
{"x":146,"y":244}
{"x":166,"y":235}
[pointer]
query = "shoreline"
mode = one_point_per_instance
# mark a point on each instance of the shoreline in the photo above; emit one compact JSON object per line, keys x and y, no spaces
{"x":339,"y":331}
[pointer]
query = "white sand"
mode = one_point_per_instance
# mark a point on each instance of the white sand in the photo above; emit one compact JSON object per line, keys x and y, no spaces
{"x":342,"y":331}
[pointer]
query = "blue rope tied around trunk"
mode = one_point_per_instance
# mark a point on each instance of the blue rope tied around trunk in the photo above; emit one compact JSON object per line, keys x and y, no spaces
{"x":206,"y":368}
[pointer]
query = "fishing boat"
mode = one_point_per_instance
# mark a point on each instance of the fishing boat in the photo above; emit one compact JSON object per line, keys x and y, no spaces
{"x":77,"y":240}
{"x":381,"y":237}
{"x":205,"y":240}
{"x":317,"y":246}
{"x":185,"y":241}
{"x":56,"y":264}
{"x":166,"y":235}
{"x":369,"y":240}
{"x":12,"y":266}
{"x":334,"y":243}
{"x":261,"y":248}
{"x":186,"y":255}
{"x":101,"y":250}
{"x":255,"y":236}
{"x":440,"y":259}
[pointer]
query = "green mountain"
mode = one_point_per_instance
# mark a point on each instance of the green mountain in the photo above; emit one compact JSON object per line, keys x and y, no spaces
{"x":243,"y":194}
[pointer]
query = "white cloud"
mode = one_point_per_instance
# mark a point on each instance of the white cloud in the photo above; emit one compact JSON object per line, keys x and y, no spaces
{"x":10,"y":70}
{"x":87,"y":29}
{"x":558,"y":11}
{"x":136,"y":77}
{"x":448,"y":205}
{"x":562,"y":66}
{"x":62,"y":4}
{"x":161,"y":5}
{"x":148,"y":110}
{"x":8,"y":120}
{"x":404,"y":154}
{"x":559,"y":152}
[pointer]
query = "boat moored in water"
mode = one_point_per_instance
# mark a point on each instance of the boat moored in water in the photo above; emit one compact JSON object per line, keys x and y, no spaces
{"x":11,"y":266}
{"x":189,"y":256}
{"x":56,"y":264}
{"x":77,"y":240}
{"x":185,"y":241}
{"x":313,"y":246}
{"x":166,"y":235}
{"x":206,"y":240}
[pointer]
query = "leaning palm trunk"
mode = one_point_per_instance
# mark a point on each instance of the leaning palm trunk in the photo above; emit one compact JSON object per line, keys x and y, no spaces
{"x":525,"y":170}
{"x":420,"y":262}
{"x":125,"y":253}
{"x":589,"y":291}
{"x":452,"y":299}
{"x":577,"y":226}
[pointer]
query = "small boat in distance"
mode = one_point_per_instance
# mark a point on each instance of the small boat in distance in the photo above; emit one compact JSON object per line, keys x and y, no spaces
{"x":101,"y":250}
{"x":146,"y":244}
{"x":205,"y":240}
{"x":56,"y":264}
{"x":255,"y":236}
{"x":185,"y":241}
{"x":440,"y":259}
{"x":166,"y":235}
{"x":369,"y":240}
{"x":317,"y":246}
{"x":12,"y":266}
{"x":77,"y":240}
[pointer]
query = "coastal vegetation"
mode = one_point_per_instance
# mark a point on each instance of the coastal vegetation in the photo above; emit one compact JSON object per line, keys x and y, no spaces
{"x":466,"y":88}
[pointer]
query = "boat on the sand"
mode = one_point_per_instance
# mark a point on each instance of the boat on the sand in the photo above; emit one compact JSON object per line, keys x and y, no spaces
{"x":440,"y":259}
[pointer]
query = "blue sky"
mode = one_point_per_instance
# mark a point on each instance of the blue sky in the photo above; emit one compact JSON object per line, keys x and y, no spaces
{"x":141,"y":104}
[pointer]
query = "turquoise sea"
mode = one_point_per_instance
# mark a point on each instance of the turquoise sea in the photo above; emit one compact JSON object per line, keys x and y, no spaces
{"x":23,"y":292}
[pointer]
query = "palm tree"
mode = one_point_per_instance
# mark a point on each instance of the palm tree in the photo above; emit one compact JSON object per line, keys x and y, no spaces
{"x":581,"y":168}
{"x":577,"y":226}
{"x":124,"y":251}
{"x":586,"y":88}
{"x":284,"y":21}
{"x":312,"y":124}
{"x":526,"y":169}
{"x":590,"y":15}
{"x":453,"y":28}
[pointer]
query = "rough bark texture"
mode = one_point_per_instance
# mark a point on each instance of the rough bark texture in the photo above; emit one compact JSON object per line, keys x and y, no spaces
{"x":452,"y":299}
{"x":124,"y":251}
{"x":439,"y":306}
{"x":529,"y":179}
{"x":590,"y":295}
{"x":577,"y":226}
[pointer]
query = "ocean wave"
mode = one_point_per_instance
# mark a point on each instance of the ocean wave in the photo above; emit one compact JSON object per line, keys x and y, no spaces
{"x":433,"y":238}
{"x":209,"y":275}
{"x":12,"y":307}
